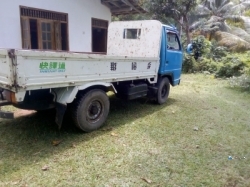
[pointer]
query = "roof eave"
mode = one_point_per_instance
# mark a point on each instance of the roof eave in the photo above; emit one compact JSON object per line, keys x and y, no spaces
{"x":123,"y":7}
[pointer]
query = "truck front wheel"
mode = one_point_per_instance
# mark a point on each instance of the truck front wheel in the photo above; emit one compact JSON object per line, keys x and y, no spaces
{"x":90,"y":110}
{"x":163,"y":90}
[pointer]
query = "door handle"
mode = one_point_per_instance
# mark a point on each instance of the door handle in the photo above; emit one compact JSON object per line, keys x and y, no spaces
{"x":167,"y":62}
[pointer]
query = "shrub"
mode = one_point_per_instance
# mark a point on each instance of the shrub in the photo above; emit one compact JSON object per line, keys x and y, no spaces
{"x":201,"y":46}
{"x":189,"y":64}
{"x":217,"y":52}
{"x":230,"y":66}
{"x":243,"y":81}
{"x":236,"y":23}
{"x":207,"y":65}
{"x":215,"y":59}
{"x":247,"y":13}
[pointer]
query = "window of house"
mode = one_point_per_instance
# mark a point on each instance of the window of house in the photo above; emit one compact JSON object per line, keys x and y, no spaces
{"x":43,"y":29}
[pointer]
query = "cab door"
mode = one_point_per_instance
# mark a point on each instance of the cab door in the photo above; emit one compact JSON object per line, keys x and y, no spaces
{"x":171,"y":57}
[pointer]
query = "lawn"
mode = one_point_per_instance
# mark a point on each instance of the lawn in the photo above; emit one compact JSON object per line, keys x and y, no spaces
{"x":185,"y":142}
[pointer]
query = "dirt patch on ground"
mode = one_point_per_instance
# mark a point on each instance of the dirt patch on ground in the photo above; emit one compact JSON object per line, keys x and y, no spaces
{"x":21,"y":113}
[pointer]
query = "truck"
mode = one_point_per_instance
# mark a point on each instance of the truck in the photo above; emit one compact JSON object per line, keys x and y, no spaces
{"x":143,"y":59}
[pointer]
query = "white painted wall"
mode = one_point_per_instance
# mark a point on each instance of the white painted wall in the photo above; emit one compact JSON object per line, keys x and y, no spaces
{"x":79,"y":12}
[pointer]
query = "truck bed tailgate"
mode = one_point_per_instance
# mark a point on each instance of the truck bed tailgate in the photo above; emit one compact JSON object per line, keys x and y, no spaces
{"x":6,"y":70}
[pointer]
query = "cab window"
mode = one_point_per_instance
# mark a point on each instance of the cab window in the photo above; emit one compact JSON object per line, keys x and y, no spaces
{"x":172,"y":41}
{"x":132,"y":34}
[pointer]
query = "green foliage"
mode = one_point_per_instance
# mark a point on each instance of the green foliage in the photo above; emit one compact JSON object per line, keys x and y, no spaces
{"x":200,"y":46}
{"x":216,"y":52}
{"x":218,"y":15}
{"x":214,"y":59}
{"x":189,"y":64}
{"x":242,"y":81}
{"x":207,"y":65}
{"x":236,"y":23}
{"x":247,"y":71}
{"x":230,"y":66}
{"x":218,"y":7}
{"x":173,"y":10}
{"x":247,"y":13}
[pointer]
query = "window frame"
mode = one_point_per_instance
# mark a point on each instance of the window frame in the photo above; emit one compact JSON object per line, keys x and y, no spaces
{"x":138,"y":33}
{"x":42,"y":15}
{"x":97,"y":23}
{"x":178,"y":41}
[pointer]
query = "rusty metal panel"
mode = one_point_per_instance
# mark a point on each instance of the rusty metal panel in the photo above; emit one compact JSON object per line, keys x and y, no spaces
{"x":147,"y":44}
{"x":6,"y":70}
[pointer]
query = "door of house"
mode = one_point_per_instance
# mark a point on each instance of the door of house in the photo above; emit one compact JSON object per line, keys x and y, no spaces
{"x":99,"y":35}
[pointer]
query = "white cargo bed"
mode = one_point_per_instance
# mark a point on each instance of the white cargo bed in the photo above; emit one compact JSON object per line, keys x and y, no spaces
{"x":6,"y":70}
{"x":34,"y":70}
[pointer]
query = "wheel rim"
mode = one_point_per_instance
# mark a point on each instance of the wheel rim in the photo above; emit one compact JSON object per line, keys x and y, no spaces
{"x":95,"y":111}
{"x":164,"y":91}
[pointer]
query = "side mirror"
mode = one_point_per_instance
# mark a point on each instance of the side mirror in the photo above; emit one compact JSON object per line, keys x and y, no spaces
{"x":190,"y":48}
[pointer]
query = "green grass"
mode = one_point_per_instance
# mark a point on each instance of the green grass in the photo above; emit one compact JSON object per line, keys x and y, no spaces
{"x":140,"y":140}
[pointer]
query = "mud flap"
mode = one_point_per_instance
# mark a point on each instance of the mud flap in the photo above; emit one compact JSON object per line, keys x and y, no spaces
{"x":6,"y":115}
{"x":60,"y":111}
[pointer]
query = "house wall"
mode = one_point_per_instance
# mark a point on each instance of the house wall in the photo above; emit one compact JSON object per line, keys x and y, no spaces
{"x":79,"y":12}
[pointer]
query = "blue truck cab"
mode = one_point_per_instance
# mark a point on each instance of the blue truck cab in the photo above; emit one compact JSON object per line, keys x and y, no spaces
{"x":171,"y":55}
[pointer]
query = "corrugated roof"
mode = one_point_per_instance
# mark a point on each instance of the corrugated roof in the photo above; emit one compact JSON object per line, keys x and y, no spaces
{"x":123,"y":7}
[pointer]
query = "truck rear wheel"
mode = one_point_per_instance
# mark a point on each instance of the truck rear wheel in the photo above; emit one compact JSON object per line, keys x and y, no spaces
{"x":163,"y":90}
{"x":90,"y":110}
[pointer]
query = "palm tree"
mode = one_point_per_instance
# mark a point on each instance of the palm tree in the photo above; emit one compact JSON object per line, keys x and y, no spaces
{"x":215,"y":13}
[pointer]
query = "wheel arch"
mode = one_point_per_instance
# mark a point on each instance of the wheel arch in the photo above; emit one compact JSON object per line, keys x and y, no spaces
{"x":97,"y":85}
{"x":169,"y":76}
{"x":67,"y":95}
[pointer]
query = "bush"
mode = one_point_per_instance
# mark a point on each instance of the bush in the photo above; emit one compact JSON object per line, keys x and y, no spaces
{"x":209,"y":57}
{"x":247,"y":13}
{"x":243,"y":81}
{"x":217,"y":52}
{"x":201,"y":46}
{"x":207,"y":65}
{"x":189,"y":64}
{"x":230,"y":66}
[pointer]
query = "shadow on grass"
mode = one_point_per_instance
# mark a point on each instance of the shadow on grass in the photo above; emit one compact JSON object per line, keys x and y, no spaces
{"x":28,"y":139}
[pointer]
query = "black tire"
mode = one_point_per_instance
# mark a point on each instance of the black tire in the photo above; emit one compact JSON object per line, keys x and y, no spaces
{"x":90,"y":110}
{"x":163,"y":90}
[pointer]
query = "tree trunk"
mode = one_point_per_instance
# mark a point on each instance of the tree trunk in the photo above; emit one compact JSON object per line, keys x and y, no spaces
{"x":185,"y":18}
{"x":188,"y":34}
